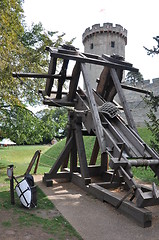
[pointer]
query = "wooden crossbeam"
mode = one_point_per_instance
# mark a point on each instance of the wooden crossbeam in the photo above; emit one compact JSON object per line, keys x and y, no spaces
{"x":96,"y":61}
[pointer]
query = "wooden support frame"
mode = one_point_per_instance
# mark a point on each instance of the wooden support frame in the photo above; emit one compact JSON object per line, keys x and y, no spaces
{"x":141,"y":215}
{"x":113,"y":136}
{"x":53,"y":171}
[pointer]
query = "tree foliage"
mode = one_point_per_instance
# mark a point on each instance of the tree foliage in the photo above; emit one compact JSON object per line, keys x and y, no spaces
{"x":153,"y":124}
{"x":153,"y":103}
{"x":155,"y":49}
{"x":24,"y":127}
{"x":134,"y":77}
{"x":55,"y":121}
{"x":22,"y":50}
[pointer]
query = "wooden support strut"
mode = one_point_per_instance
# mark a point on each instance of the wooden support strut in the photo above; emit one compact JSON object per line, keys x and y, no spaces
{"x":122,"y":99}
{"x":81,"y":150}
{"x":53,"y":171}
{"x":93,"y":107}
{"x":49,"y":82}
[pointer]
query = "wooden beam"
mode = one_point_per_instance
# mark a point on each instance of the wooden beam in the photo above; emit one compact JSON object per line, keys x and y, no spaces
{"x":74,"y":82}
{"x":57,"y":102}
{"x":62,"y":79}
{"x":101,"y":87}
{"x":60,"y":160}
{"x":94,"y":153}
{"x":39,"y":75}
{"x":135,"y":89}
{"x":84,"y":59}
{"x":141,"y":215}
{"x":81,"y":151}
{"x":122,"y":99}
{"x":73,"y":157}
{"x":65,"y":162}
{"x":51,"y":71}
{"x":94,"y":111}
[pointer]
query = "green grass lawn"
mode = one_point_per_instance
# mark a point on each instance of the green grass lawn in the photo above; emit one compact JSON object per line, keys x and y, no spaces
{"x":20,"y":156}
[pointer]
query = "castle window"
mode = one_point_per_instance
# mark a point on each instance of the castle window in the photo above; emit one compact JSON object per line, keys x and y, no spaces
{"x":112,"y":44}
{"x":91,"y":46}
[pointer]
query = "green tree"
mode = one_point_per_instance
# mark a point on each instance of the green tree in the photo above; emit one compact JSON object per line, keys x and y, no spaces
{"x":55,"y":123}
{"x":22,"y":126}
{"x":22,"y":49}
{"x":153,"y":124}
{"x":153,"y":104}
{"x":134,"y":77}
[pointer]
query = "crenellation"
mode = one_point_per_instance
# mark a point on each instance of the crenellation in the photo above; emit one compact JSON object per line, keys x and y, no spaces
{"x":96,"y":27}
{"x":106,"y":27}
{"x":155,"y":81}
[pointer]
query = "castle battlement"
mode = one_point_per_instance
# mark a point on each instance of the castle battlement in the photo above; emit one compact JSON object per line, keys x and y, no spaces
{"x":105,"y":28}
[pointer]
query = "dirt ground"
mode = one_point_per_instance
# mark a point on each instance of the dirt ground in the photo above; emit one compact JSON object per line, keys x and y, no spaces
{"x":12,"y":231}
{"x":13,"y":227}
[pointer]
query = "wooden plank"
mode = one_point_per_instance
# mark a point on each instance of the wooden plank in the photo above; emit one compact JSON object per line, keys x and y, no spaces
{"x":73,"y":157}
{"x":141,"y":215}
{"x":94,"y":110}
{"x":65,"y":162}
{"x":51,"y":71}
{"x":94,"y":170}
{"x":122,"y":99}
{"x":39,"y":75}
{"x":94,"y":153}
{"x":116,"y":60}
{"x":85,"y":59}
{"x":81,"y":151}
{"x":74,"y":82}
{"x":135,"y":89}
{"x":104,"y":162}
{"x":80,"y":181}
{"x":101,"y":87}
{"x":57,"y":103}
{"x":60,"y":160}
{"x":62,"y":79}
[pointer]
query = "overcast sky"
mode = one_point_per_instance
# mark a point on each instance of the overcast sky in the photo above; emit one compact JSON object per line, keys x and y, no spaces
{"x":139,"y":17}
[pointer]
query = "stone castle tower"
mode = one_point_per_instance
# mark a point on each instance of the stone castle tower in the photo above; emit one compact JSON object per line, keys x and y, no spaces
{"x":109,"y":40}
{"x":106,"y":39}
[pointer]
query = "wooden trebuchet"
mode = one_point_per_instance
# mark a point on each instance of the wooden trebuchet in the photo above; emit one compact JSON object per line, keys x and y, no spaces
{"x":117,"y":145}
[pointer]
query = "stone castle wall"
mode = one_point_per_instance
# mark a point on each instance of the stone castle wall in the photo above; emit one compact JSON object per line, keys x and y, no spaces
{"x":136,"y":102}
